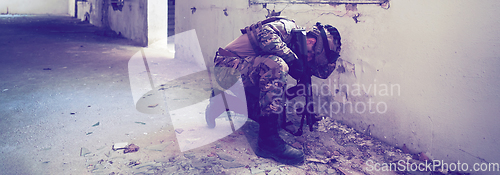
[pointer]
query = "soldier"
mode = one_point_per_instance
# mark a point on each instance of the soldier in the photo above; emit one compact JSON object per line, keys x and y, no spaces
{"x":262,"y":58}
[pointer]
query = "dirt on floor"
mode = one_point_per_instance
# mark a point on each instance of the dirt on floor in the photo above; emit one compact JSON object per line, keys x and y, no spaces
{"x":333,"y":148}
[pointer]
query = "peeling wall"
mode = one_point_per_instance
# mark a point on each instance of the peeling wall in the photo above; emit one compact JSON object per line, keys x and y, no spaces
{"x":53,"y":7}
{"x":430,"y":66}
{"x":131,"y":22}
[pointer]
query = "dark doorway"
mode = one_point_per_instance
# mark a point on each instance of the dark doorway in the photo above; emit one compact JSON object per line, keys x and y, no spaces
{"x":171,"y":17}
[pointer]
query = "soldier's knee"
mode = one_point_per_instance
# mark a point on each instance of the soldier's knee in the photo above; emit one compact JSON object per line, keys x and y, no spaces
{"x":278,"y":64}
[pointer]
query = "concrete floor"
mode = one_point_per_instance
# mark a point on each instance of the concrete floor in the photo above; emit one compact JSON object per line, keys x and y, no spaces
{"x":68,"y":87}
{"x":59,"y":77}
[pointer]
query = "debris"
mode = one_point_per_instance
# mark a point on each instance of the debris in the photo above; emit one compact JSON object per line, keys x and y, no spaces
{"x":131,"y":148}
{"x":84,"y":151}
{"x":405,"y":149}
{"x":322,"y":168}
{"x":5,"y":90}
{"x":336,"y":153}
{"x":47,"y":69}
{"x":349,"y":171}
{"x":159,"y":147}
{"x":297,"y":145}
{"x":212,"y":154}
{"x":324,"y":161}
{"x":88,"y":133}
{"x":189,"y":155}
{"x":179,"y":131}
{"x":150,"y":164}
{"x":422,"y":157}
{"x":153,"y":106}
{"x":134,"y":163}
{"x":256,"y":170}
{"x":274,"y":171}
{"x":301,"y":139}
{"x":225,"y":157}
{"x":338,"y":150}
{"x":230,"y":165}
{"x":96,"y":124}
{"x":118,"y":146}
{"x":199,"y":164}
{"x":73,"y":113}
{"x":193,"y":10}
{"x":142,"y":123}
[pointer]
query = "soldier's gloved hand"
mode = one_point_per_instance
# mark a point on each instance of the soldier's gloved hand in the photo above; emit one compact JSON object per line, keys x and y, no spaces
{"x":296,"y":69}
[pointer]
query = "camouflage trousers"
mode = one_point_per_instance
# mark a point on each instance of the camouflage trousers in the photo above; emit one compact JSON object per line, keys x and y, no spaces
{"x":263,"y":78}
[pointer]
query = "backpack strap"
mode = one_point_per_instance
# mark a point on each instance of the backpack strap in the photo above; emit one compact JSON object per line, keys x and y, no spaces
{"x":252,"y":34}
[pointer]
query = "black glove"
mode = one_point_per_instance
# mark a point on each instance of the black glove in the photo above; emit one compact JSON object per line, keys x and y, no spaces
{"x":296,"y":69}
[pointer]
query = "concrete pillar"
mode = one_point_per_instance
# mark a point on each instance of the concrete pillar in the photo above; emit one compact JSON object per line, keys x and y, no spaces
{"x":157,"y":20}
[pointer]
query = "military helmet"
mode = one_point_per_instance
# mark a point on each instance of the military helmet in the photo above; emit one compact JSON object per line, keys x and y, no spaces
{"x":328,"y":37}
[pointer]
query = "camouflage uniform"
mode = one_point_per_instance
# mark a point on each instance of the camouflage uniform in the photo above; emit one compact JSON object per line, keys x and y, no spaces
{"x":264,"y":74}
{"x":262,"y":59}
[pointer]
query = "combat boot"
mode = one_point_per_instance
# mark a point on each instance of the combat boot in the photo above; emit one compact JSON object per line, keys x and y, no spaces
{"x":214,"y":108}
{"x":271,"y":145}
{"x":211,"y":113}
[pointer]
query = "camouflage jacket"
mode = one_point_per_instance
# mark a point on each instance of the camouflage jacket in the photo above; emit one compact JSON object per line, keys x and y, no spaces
{"x":271,"y":37}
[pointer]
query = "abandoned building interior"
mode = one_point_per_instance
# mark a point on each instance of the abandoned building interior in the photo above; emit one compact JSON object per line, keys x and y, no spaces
{"x":121,"y":87}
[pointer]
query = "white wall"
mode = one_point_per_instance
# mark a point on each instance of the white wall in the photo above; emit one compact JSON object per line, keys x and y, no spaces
{"x":157,"y":20}
{"x":131,"y":22}
{"x":442,"y":54}
{"x":71,"y":7}
{"x":55,"y":7}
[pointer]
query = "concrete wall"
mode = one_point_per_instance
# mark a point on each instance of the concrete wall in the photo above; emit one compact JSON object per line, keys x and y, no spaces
{"x":130,"y":22}
{"x":55,"y":7}
{"x":71,"y":8}
{"x":439,"y":57}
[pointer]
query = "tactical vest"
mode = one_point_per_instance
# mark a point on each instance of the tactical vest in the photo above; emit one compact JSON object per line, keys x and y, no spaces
{"x":281,"y":25}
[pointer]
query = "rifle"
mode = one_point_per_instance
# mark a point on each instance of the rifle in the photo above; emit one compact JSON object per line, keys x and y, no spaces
{"x":298,"y":45}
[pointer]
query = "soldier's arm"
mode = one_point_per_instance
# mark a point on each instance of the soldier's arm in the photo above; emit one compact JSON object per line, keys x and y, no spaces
{"x":270,"y":42}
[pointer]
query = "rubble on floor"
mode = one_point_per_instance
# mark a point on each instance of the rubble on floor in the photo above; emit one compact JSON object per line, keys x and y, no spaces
{"x":333,"y":148}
